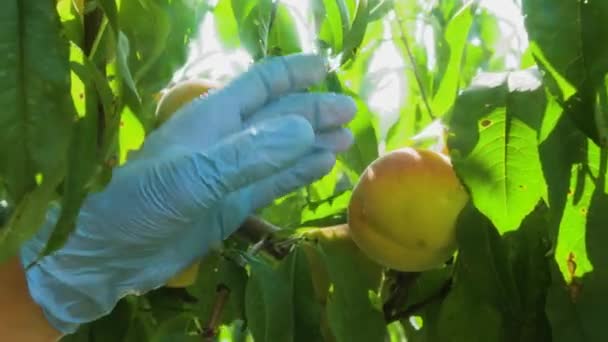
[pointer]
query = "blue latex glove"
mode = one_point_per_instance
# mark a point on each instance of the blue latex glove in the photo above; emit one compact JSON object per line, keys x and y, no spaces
{"x":195,"y":180}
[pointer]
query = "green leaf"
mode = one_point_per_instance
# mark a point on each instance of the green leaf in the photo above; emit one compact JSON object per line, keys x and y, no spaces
{"x":307,"y":311}
{"x":123,"y":51}
{"x":484,"y":300}
{"x":88,"y":72}
{"x":571,"y":164}
{"x":528,"y":250}
{"x":493,"y":144}
{"x":131,"y":134}
{"x":269,"y":304}
{"x":500,"y":284}
{"x":354,"y":281}
{"x":253,"y":20}
{"x":286,"y":211}
{"x":563,"y":155}
{"x":283,"y":37}
{"x":226,"y":25}
{"x":217,"y":271}
{"x":345,"y":15}
{"x":158,"y":33}
{"x":572,"y":239}
{"x":428,"y":288}
{"x":142,"y":327}
{"x":176,"y":329}
{"x":408,"y":123}
{"x":561,"y":311}
{"x":483,"y":263}
{"x":28,"y":215}
{"x":597,"y":236}
{"x":324,"y":187}
{"x":356,"y":33}
{"x":365,"y":148}
{"x":330,"y":25}
{"x":562,"y":147}
{"x":71,"y":19}
{"x":379,"y":8}
{"x":564,"y":39}
{"x":82,"y":166}
{"x":577,"y":301}
{"x":5,"y":210}
{"x":114,"y":326}
{"x":456,"y":35}
{"x":327,"y":213}
{"x":463,"y":318}
{"x":111,"y":11}
{"x":35,"y":96}
{"x":487,"y":53}
{"x":589,"y":305}
{"x":428,"y":284}
{"x":82,"y":158}
{"x":422,"y":326}
{"x":153,"y":49}
{"x":355,"y":73}
{"x":576,"y":56}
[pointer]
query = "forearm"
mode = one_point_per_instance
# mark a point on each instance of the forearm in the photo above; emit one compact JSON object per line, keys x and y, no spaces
{"x":21,"y":318}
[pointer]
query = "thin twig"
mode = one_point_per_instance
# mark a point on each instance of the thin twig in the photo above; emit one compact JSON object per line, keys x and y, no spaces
{"x":221,"y":298}
{"x":415,"y":68}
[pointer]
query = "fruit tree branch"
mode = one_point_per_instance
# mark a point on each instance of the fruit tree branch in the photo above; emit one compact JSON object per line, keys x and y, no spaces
{"x":221,"y":299}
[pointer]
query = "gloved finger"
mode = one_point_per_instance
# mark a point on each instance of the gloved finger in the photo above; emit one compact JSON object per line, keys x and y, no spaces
{"x":200,"y":180}
{"x":239,"y":205}
{"x":196,"y":126}
{"x":304,"y":172}
{"x":272,"y":78}
{"x":324,"y":110}
{"x":337,"y":141}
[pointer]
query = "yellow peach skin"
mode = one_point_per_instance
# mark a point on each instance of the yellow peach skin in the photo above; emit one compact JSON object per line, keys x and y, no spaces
{"x":403,"y":210}
{"x":179,"y":95}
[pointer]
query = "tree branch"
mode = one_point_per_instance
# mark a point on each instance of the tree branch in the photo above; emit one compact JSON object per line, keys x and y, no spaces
{"x":221,"y":299}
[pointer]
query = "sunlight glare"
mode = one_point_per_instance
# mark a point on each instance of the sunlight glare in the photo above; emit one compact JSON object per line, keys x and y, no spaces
{"x":385,"y":84}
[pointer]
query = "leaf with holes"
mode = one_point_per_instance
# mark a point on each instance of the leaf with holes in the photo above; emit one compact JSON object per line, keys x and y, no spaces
{"x":493,"y":144}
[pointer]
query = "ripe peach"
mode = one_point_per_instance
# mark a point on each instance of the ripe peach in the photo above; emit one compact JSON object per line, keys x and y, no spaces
{"x":179,"y":95}
{"x":403,"y":210}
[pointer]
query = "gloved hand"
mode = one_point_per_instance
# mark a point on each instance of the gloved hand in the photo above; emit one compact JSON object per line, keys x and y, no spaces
{"x":195,"y":180}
